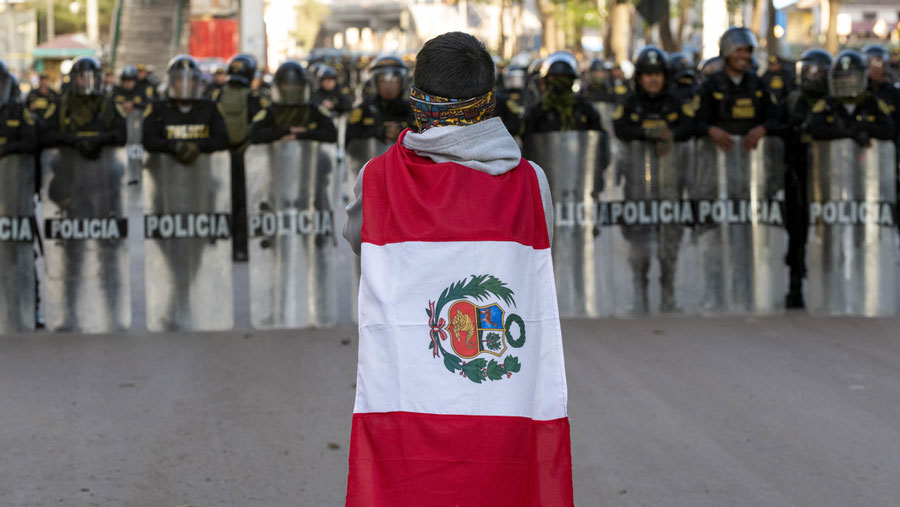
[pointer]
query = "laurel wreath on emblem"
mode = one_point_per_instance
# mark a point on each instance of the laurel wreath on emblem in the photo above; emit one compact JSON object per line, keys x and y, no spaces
{"x":478,"y":287}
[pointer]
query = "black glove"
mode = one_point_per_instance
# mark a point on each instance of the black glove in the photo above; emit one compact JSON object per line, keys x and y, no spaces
{"x":186,"y":153}
{"x":860,"y":136}
{"x":88,"y":148}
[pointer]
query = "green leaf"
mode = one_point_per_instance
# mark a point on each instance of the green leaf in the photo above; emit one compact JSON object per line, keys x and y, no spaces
{"x":473,"y":369}
{"x":495,"y":371}
{"x":493,"y":341}
{"x":431,"y":344}
{"x":452,"y":362}
{"x":511,"y":363}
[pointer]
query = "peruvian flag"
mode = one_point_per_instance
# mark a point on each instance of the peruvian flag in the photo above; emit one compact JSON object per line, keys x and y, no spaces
{"x":461,"y":387}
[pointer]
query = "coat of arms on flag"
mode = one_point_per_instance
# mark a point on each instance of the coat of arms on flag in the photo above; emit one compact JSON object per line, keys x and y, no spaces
{"x":475,"y":330}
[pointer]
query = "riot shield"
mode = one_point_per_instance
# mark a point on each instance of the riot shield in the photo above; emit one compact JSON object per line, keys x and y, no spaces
{"x":135,"y":148}
{"x":187,"y":240}
{"x":606,"y":110}
{"x":358,"y":152}
{"x":740,"y":232}
{"x":574,"y":162}
{"x":86,"y":240}
{"x":852,"y":247}
{"x":291,"y":196}
{"x":18,"y":231}
{"x":647,"y":216}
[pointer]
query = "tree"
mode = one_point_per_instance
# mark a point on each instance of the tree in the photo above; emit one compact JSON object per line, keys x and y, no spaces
{"x":310,"y":15}
{"x":831,"y":36}
{"x":66,"y":21}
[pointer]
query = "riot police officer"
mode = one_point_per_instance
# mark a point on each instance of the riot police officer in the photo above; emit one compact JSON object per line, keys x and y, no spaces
{"x":851,"y":110}
{"x":291,"y":115}
{"x":812,"y":86}
{"x":126,"y":93}
{"x":559,"y":107}
{"x":779,"y":78}
{"x":184,"y":124}
{"x":681,"y":77}
{"x":335,"y":99}
{"x":239,"y":103}
{"x":619,"y":84}
{"x":40,"y":98}
{"x":734,"y":101}
{"x":653,"y":113}
{"x":597,"y":82}
{"x":146,"y":82}
{"x":84,"y":118}
{"x":511,"y":98}
{"x":878,"y":59}
{"x":707,"y":68}
{"x":219,"y":78}
{"x":387,"y":113}
{"x":17,"y":134}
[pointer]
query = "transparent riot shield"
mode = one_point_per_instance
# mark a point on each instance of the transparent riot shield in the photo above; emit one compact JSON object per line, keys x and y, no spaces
{"x":574,"y":162}
{"x":852,"y":247}
{"x":85,"y":234}
{"x":291,"y":194}
{"x":187,"y":241}
{"x":135,"y":148}
{"x":606,"y":110}
{"x":647,"y":216}
{"x":18,"y":231}
{"x":740,"y":227}
{"x":358,"y":152}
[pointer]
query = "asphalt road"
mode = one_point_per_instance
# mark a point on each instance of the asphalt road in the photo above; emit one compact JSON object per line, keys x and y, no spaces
{"x":791,"y":411}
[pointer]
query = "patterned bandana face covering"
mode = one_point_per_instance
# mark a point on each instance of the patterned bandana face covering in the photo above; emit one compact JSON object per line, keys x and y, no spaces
{"x":433,"y":111}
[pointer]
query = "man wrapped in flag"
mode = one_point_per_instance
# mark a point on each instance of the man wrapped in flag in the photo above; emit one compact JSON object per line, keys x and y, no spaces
{"x":461,"y":386}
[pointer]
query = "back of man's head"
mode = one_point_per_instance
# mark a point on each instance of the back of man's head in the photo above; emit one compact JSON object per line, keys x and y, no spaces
{"x":454,"y":65}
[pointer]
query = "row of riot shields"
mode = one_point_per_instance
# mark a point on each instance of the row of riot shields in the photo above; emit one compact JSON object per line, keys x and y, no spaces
{"x":690,"y":228}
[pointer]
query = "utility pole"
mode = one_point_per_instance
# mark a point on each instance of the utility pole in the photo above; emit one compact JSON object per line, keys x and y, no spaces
{"x":51,"y":29}
{"x":93,"y":26}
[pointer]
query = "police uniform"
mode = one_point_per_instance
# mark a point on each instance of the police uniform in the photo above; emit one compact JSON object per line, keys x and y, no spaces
{"x":870,"y":119}
{"x":367,"y":120}
{"x":167,"y":127}
{"x":684,"y":88}
{"x":510,"y":110}
{"x":17,"y":131}
{"x":538,"y":120}
{"x":140,"y":99}
{"x":342,"y":98}
{"x":597,"y":92}
{"x":780,"y":83}
{"x":39,"y":102}
{"x":237,"y":119}
{"x":640,"y":113}
{"x":274,"y":122}
{"x":737,"y":107}
{"x":86,"y":123}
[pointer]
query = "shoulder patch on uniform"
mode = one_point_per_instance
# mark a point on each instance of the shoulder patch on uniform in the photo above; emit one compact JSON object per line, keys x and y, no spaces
{"x":149,"y":91}
{"x":886,"y":109}
{"x":13,"y":123}
{"x":635,"y":117}
{"x":260,"y":116}
{"x":819,"y":106}
{"x":688,"y":110}
{"x":696,"y":103}
{"x":121,"y":111}
{"x":50,"y":110}
{"x":27,"y":117}
{"x":346,"y":90}
{"x":356,"y":115}
{"x":718,"y":95}
{"x":672,"y":116}
{"x":621,"y":90}
{"x":148,"y":110}
{"x":619,"y":112}
{"x":264,"y":102}
{"x":323,"y":110}
{"x":759,"y":93}
{"x":215,"y":94}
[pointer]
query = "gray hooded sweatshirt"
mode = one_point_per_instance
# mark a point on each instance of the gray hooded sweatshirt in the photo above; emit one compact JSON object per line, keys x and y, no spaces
{"x":485,"y":146}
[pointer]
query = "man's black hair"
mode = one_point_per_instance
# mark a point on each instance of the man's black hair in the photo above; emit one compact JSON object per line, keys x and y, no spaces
{"x":454,"y":65}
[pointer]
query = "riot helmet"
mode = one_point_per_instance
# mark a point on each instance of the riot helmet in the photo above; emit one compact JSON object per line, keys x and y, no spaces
{"x":597,"y":73}
{"x":242,"y":69}
{"x":812,"y":72}
{"x":389,"y":75}
{"x":735,"y":38}
{"x":7,"y":83}
{"x":651,"y":60}
{"x":709,"y":67}
{"x":326,"y":72}
{"x":291,"y":86}
{"x":878,"y":59}
{"x":184,"y":79}
{"x":848,"y":77}
{"x":560,"y":63}
{"x":515,"y":77}
{"x":86,"y":77}
{"x":679,"y":66}
{"x":129,"y":73}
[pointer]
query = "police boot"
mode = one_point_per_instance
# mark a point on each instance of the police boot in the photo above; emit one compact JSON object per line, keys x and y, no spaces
{"x":667,"y":298}
{"x":794,"y":297}
{"x":639,"y":305}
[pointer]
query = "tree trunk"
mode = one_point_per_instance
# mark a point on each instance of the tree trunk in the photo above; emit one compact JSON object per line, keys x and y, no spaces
{"x":771,"y":40}
{"x":756,"y":19}
{"x":501,"y":41}
{"x":665,"y":34}
{"x":682,"y":20}
{"x":831,"y":42}
{"x":620,"y":31}
{"x":831,"y":37}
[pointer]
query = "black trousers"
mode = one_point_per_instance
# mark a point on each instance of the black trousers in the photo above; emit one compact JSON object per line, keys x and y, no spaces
{"x":238,"y":202}
{"x":796,"y":208}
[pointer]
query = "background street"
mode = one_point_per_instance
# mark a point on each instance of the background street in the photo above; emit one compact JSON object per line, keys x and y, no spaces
{"x":666,"y":412}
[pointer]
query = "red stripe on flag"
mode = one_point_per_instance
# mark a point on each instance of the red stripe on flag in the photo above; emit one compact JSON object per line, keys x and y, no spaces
{"x":402,"y":459}
{"x":411,"y":198}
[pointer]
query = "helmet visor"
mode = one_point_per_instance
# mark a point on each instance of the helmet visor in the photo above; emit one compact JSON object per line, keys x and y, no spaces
{"x":813,"y":78}
{"x":290,"y":94}
{"x":86,"y":82}
{"x":185,"y":84}
{"x":848,"y":84}
{"x":514,"y":79}
{"x":6,"y":84}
